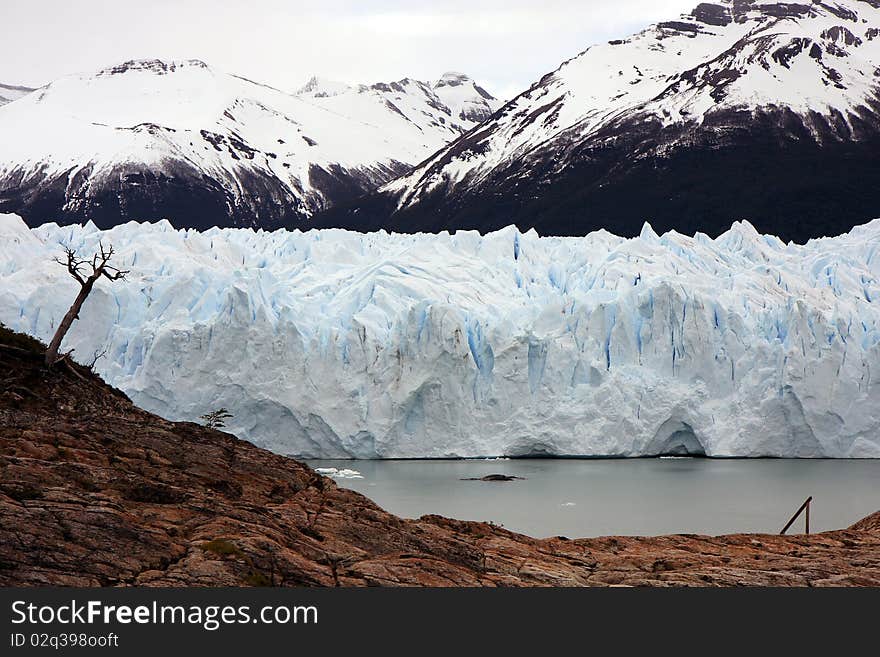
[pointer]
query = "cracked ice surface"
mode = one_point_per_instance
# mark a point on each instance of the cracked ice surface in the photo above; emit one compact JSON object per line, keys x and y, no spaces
{"x":336,"y":344}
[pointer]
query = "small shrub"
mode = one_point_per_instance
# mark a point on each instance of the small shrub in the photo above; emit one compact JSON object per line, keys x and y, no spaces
{"x":216,"y":419}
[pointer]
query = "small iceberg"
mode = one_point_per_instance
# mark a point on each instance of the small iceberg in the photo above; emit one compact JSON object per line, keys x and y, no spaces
{"x":339,"y":473}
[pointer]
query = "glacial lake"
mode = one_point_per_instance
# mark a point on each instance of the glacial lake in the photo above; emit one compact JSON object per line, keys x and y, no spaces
{"x":596,"y":497}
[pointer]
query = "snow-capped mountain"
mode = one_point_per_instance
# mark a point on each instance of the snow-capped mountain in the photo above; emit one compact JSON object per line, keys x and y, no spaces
{"x":469,"y":102}
{"x":331,"y":343}
{"x":742,"y":109}
{"x":448,"y":107}
{"x":154,"y":139}
{"x":10,"y":92}
{"x":322,"y":88}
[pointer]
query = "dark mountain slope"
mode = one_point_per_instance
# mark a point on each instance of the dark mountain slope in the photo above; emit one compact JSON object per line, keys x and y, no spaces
{"x":741,"y":110}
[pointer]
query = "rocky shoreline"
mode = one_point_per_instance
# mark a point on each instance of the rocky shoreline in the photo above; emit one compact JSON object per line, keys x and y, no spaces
{"x":97,"y":492}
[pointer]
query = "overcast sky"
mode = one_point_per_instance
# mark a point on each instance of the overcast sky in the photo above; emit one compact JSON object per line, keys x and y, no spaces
{"x":504,"y":44}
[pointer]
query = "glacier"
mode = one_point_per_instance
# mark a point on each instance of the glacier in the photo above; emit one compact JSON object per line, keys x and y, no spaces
{"x":335,"y":344}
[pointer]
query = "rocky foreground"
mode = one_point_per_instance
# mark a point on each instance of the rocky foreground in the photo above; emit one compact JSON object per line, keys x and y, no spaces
{"x":97,"y":492}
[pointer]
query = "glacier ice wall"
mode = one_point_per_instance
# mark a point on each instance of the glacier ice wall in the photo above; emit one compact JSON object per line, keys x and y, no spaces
{"x":337,"y":344}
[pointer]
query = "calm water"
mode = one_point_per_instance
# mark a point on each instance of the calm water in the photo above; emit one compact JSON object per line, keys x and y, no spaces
{"x":628,"y":496}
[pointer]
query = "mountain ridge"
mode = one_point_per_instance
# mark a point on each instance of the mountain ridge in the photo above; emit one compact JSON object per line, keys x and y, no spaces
{"x":178,"y":139}
{"x":740,"y":110}
{"x":10,"y":92}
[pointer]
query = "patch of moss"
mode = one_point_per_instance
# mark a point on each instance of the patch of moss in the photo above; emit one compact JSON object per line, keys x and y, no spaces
{"x":221,"y":547}
{"x":257,"y":579}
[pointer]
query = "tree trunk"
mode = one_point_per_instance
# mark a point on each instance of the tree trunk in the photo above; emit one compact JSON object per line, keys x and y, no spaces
{"x":64,"y":326}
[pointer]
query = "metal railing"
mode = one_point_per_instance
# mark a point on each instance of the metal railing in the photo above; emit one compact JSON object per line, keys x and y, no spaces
{"x":804,"y":506}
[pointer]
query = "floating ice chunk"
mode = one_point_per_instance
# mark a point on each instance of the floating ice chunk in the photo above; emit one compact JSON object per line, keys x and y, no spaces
{"x":342,"y":473}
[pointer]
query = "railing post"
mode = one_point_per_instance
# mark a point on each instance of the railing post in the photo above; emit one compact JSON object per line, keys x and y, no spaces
{"x":804,"y":506}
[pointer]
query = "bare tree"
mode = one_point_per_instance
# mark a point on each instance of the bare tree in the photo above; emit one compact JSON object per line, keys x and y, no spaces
{"x":86,"y":272}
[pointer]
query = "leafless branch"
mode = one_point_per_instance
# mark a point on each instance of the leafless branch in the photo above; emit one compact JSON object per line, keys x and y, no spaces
{"x":74,"y":265}
{"x":99,"y":265}
{"x":106,"y":269}
{"x":98,"y":355}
